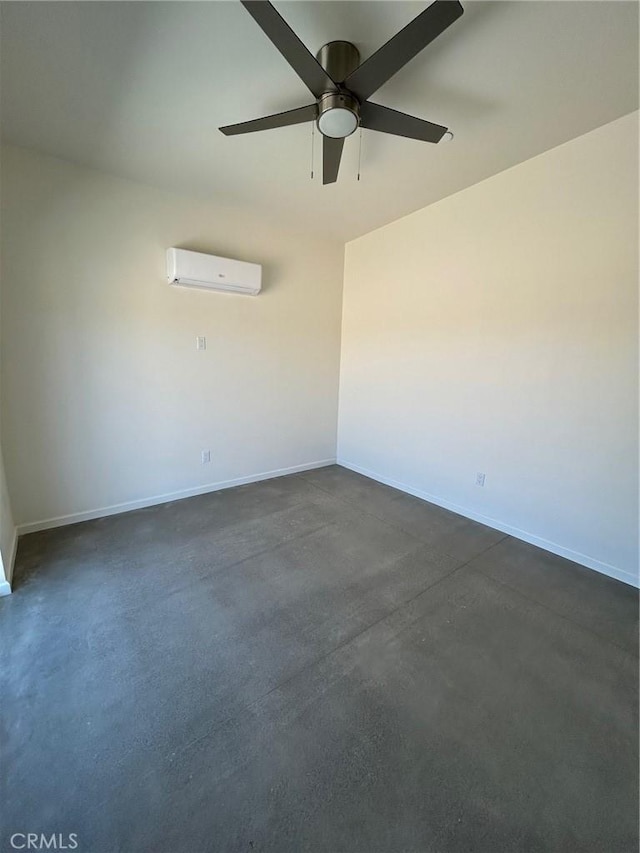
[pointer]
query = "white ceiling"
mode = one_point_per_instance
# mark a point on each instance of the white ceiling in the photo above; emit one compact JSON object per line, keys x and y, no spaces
{"x":139,"y":89}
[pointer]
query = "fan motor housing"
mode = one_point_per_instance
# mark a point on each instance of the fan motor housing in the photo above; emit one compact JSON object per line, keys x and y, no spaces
{"x":339,"y":59}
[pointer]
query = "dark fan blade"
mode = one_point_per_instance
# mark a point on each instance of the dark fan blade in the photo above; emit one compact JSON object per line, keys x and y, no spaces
{"x":375,"y":117}
{"x":283,"y":37}
{"x":406,"y":44}
{"x":297,"y":116}
{"x":331,"y":154}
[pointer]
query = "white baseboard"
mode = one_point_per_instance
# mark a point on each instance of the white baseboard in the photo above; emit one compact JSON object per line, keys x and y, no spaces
{"x":115,"y":509}
{"x":517,"y":533}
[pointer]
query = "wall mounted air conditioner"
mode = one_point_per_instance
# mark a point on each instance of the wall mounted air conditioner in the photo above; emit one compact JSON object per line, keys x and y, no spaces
{"x":208,"y":272}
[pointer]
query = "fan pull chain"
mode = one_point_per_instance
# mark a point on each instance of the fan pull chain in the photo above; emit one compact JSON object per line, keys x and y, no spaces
{"x":360,"y":153}
{"x":313,"y":137}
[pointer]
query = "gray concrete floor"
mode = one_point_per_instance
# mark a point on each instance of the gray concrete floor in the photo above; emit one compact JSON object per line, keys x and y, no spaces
{"x":315,"y":663}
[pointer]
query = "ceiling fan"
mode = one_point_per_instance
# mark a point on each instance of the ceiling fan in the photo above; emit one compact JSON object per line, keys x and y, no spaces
{"x":342,"y":86}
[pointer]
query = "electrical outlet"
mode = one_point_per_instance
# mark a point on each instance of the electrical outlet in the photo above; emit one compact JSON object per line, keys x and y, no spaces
{"x":479,"y":479}
{"x":206,"y":456}
{"x":201,"y":342}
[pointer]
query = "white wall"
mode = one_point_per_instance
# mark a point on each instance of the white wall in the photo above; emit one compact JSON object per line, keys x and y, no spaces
{"x":8,"y":537}
{"x":8,"y":533}
{"x":105,"y":398}
{"x":496,"y":331}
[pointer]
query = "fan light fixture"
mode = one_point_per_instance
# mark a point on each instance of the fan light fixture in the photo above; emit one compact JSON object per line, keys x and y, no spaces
{"x":337,"y":123}
{"x":338,"y":115}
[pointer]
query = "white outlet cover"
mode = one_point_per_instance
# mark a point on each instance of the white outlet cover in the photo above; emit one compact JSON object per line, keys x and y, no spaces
{"x":201,"y":342}
{"x":480,"y":479}
{"x":206,"y":456}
